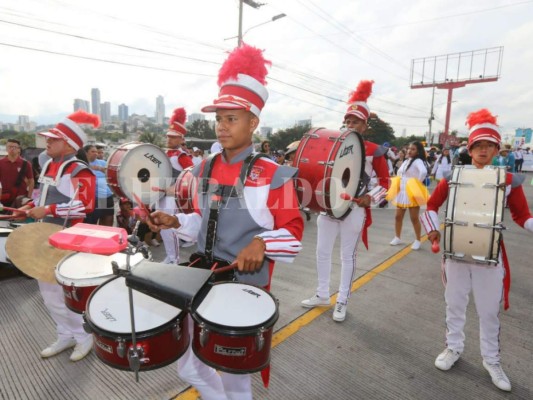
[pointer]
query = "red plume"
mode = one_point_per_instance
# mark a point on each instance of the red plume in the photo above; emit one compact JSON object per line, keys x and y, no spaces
{"x":362,"y":93}
{"x":482,"y":116}
{"x":179,"y":115}
{"x":82,"y":117}
{"x":246,"y":60}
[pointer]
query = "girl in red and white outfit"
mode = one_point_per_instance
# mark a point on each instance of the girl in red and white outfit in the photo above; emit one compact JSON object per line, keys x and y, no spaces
{"x":256,"y":228}
{"x":407,"y":192}
{"x":179,"y":159}
{"x":353,"y":227}
{"x":489,"y":283}
{"x":68,"y":190}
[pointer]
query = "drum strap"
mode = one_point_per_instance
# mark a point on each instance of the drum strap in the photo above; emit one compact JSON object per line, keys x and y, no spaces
{"x":219,"y":193}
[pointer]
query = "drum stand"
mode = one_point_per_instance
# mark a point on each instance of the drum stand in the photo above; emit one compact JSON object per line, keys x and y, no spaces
{"x":135,"y":353}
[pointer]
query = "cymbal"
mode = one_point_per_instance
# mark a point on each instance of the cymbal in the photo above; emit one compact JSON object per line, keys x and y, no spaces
{"x":28,"y":249}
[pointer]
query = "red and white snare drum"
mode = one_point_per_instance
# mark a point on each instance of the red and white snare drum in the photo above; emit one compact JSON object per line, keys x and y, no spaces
{"x":186,"y":187}
{"x":330,"y":163}
{"x":474,"y":214}
{"x":162,"y":332}
{"x":136,"y":168}
{"x":81,"y":273}
{"x":4,"y":233}
{"x":233,"y":327}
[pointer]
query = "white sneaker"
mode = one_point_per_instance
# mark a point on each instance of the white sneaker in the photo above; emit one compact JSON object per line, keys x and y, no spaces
{"x":447,"y":359}
{"x":415,"y":245}
{"x":82,"y":349}
{"x":396,"y":241}
{"x":339,"y":314}
{"x":316,"y":301}
{"x":155,"y":243}
{"x":185,"y":244}
{"x":57,"y":347}
{"x":168,"y":260}
{"x":499,"y":378}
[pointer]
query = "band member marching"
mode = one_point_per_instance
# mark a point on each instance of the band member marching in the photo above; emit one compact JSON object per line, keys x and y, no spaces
{"x":179,"y":160}
{"x":247,"y":205}
{"x":490,"y":283}
{"x":354,"y":226}
{"x":67,"y":192}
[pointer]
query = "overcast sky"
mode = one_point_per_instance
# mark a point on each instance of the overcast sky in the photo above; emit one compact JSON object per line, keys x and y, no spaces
{"x":319,"y":52}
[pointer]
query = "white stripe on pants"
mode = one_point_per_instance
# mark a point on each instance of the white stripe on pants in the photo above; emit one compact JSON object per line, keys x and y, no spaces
{"x":350,"y":230}
{"x":208,"y":382}
{"x":170,"y":239}
{"x":486,"y":282}
{"x":68,"y":323}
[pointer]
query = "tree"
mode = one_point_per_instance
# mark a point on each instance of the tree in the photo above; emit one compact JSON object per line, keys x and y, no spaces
{"x":151,"y":137}
{"x":201,"y":129}
{"x":380,"y":131}
{"x":282,"y":138}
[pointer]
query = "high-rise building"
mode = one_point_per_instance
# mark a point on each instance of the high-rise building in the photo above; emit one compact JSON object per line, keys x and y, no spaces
{"x":160,"y":110}
{"x":266,"y":131}
{"x":105,"y":111}
{"x":195,"y":117}
{"x":123,"y":112}
{"x":80,"y":104}
{"x":304,"y":122}
{"x":95,"y":101}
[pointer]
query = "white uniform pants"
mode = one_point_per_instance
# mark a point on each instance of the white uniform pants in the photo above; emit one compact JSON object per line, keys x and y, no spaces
{"x":210,"y":384}
{"x":171,"y":241}
{"x":68,"y":323}
{"x":486,"y":282}
{"x":350,"y":230}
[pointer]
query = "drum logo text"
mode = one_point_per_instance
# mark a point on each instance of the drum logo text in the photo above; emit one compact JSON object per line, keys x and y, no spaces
{"x":153,"y":159}
{"x":108,"y":315}
{"x":104,"y":347}
{"x":250,"y":291}
{"x":230,"y":351}
{"x":346,"y":150}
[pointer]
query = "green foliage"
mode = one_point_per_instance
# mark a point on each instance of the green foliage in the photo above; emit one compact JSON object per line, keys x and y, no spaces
{"x":151,"y":137}
{"x":201,"y":130}
{"x":380,"y":131}
{"x":282,"y":138}
{"x":26,"y":139}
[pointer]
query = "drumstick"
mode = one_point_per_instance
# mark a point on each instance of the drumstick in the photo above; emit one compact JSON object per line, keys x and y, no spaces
{"x":2,"y":208}
{"x":346,"y":196}
{"x":143,"y":207}
{"x":435,"y":247}
{"x":226,"y":268}
{"x":158,"y":189}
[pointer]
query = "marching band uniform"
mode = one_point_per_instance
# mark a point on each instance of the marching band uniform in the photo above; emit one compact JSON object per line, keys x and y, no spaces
{"x":489,"y":283}
{"x":261,"y":210}
{"x":68,"y":191}
{"x":179,"y":160}
{"x":354,"y":226}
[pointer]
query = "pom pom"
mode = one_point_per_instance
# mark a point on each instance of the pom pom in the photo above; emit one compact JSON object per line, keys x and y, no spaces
{"x":82,"y":117}
{"x":362,"y":93}
{"x":179,"y":115}
{"x":482,"y":116}
{"x":246,"y":60}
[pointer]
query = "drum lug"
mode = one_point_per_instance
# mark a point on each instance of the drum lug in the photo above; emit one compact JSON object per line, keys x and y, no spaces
{"x":121,"y":348}
{"x":493,"y":186}
{"x":74,"y":292}
{"x":204,"y":334}
{"x":260,"y":339}
{"x":136,"y":357}
{"x":304,"y":160}
{"x":449,"y":222}
{"x":497,"y":227}
{"x":328,"y":163}
{"x":455,"y":183}
{"x":176,"y":332}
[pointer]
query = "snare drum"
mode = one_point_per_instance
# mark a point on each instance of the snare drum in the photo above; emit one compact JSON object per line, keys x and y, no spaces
{"x":162,"y":332}
{"x":4,"y":233}
{"x":186,"y":187}
{"x":80,"y":273}
{"x":330,"y":163}
{"x":474,"y":214}
{"x":233,"y":327}
{"x":137,"y":168}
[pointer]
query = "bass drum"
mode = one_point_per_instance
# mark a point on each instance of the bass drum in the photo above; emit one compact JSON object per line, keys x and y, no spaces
{"x":186,"y":187}
{"x":162,"y":331}
{"x":330,"y":163}
{"x":138,"y":168}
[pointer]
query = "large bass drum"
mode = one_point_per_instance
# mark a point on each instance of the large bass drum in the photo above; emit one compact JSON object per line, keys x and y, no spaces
{"x":137,"y":168}
{"x":474,"y":214}
{"x":330,"y":163}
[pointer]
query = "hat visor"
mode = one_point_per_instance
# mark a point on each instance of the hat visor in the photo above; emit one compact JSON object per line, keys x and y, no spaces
{"x":50,"y":134}
{"x":357,"y":114}
{"x":175,"y":134}
{"x":223,"y":106}
{"x":487,"y":139}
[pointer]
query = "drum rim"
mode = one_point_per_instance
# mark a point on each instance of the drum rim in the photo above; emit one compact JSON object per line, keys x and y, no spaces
{"x":139,"y":334}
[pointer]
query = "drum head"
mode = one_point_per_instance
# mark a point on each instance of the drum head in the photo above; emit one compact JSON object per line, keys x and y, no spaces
{"x":143,"y":167}
{"x":108,"y":309}
{"x":237,"y":305}
{"x":346,"y":174}
{"x":91,"y":269}
{"x":5,"y":231}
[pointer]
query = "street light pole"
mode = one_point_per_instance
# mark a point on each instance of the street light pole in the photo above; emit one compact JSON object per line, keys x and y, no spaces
{"x":239,"y":35}
{"x":431,"y":118}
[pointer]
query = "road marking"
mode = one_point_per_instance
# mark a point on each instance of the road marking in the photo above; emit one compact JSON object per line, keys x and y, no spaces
{"x":309,"y":316}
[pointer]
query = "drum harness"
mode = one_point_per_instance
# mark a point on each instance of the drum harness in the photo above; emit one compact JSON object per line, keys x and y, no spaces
{"x":219,"y":195}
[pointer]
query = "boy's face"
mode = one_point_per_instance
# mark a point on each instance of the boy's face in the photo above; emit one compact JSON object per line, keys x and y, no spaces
{"x":483,"y":152}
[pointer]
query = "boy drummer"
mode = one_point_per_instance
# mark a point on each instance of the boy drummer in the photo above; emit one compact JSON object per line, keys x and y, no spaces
{"x":488,"y":282}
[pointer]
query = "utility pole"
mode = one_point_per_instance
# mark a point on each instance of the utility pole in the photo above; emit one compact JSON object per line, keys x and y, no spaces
{"x":429,"y":139}
{"x":252,"y":4}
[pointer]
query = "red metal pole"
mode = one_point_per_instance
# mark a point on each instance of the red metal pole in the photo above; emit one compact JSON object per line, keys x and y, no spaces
{"x":448,"y":111}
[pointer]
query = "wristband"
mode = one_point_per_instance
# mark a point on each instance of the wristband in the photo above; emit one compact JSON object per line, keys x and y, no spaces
{"x":262,"y":241}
